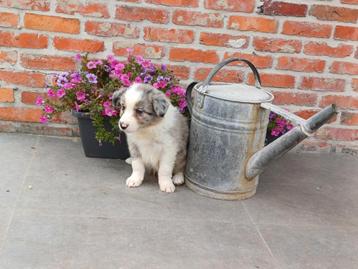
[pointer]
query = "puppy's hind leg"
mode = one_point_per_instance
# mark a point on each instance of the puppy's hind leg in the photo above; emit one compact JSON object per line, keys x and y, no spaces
{"x":138,"y":172}
{"x":165,"y":172}
{"x":178,"y":178}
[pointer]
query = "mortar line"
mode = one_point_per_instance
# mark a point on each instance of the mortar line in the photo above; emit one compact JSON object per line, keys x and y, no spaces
{"x":261,"y":236}
{"x":18,"y":197}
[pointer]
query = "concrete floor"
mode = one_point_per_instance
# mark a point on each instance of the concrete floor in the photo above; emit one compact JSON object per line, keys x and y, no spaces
{"x":59,"y":209}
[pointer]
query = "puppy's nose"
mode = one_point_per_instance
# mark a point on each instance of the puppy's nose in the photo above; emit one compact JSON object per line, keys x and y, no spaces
{"x":123,"y":125}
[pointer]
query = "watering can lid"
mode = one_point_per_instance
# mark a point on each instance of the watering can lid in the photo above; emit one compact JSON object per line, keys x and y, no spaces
{"x":237,"y":93}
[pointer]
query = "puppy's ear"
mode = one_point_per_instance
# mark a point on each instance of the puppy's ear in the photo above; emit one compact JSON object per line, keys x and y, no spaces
{"x":160,"y":104}
{"x":116,"y":97}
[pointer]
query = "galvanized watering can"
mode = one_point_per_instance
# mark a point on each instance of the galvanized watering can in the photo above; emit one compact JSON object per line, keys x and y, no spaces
{"x":227,"y":135}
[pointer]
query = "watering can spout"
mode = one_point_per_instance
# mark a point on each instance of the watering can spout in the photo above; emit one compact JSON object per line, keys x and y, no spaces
{"x":259,"y":161}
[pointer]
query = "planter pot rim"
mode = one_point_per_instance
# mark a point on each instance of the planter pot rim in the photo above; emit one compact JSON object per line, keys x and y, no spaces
{"x":80,"y":114}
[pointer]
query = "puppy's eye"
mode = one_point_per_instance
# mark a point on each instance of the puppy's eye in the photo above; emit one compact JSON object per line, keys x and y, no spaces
{"x":123,"y":107}
{"x":139,"y":111}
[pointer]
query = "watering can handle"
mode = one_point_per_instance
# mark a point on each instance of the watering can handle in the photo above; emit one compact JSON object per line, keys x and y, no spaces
{"x":225,"y":62}
{"x":213,"y":73}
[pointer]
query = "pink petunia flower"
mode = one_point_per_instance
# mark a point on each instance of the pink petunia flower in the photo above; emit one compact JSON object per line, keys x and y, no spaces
{"x":60,"y":93}
{"x":39,"y":101}
{"x":68,"y":86}
{"x":49,"y":109}
{"x":77,"y":57}
{"x":81,"y":96}
{"x":110,"y":112}
{"x":160,"y":85}
{"x":91,"y":65}
{"x":138,"y":80}
{"x":51,"y":93}
{"x":125,"y":80}
{"x":43,"y":119}
{"x":77,"y":107}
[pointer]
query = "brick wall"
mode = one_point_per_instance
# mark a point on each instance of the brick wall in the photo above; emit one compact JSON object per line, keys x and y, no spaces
{"x":306,"y":51}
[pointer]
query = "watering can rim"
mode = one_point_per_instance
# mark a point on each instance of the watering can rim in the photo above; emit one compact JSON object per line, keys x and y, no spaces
{"x":200,"y":85}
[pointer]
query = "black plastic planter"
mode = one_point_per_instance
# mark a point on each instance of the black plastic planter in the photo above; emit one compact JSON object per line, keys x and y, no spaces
{"x":92,"y":147}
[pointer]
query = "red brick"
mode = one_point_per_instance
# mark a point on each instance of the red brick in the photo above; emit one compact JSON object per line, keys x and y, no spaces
{"x":193,"y":55}
{"x":168,"y":35}
{"x":8,"y":19}
{"x":274,"y":80}
{"x":231,"y":5}
{"x":181,"y":72}
{"x":45,"y":62}
{"x":259,"y":61}
{"x":307,"y":113}
{"x":111,"y":29}
{"x":355,"y":84}
{"x":184,"y":17}
{"x":51,"y":23}
{"x":322,"y":84}
{"x":346,"y":33}
{"x":79,"y":45}
{"x":145,"y":50}
{"x":349,"y":118}
{"x":9,"y":57}
{"x":338,"y":134}
{"x":7,"y":95}
{"x":278,"y":8}
{"x":331,"y":13}
{"x":23,"y":40}
{"x":224,"y":40}
{"x":300,"y":64}
{"x":277,"y":45}
{"x":131,"y":13}
{"x":89,"y":9}
{"x":345,"y":102}
{"x":256,"y":24}
{"x":41,"y":5}
{"x":177,"y":3}
{"x":20,"y":114}
{"x":29,"y":79}
{"x":344,"y":68}
{"x":290,"y":98}
{"x":352,"y":2}
{"x":29,"y":98}
{"x":323,"y":49}
{"x":306,"y":29}
{"x":224,"y":75}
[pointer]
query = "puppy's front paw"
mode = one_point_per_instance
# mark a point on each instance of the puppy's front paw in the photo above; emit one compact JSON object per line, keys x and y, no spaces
{"x":166,"y":185}
{"x":178,"y":179}
{"x":133,"y":181}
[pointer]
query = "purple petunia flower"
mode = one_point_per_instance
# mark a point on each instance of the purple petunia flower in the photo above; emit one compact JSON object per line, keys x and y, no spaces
{"x":92,"y":78}
{"x":75,"y":77}
{"x":81,"y":96}
{"x":147,"y":79}
{"x":68,"y":86}
{"x":163,"y":67}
